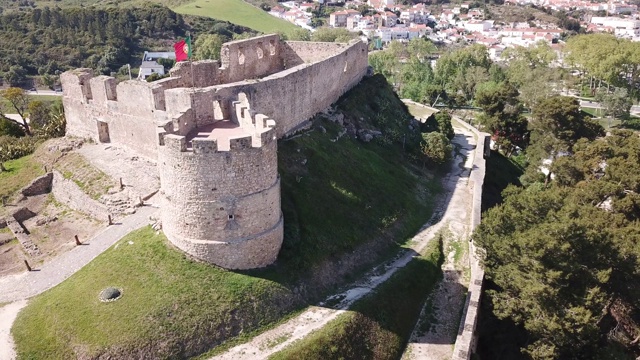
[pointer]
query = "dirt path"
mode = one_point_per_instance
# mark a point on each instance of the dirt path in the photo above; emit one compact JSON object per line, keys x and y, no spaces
{"x":8,"y":315}
{"x":454,"y":205}
{"x":435,"y":332}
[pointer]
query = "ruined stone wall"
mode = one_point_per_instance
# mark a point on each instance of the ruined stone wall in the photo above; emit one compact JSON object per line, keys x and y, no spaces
{"x":221,"y":199}
{"x":126,"y":114}
{"x":68,"y":193}
{"x":40,"y":185}
{"x":295,"y":53}
{"x":251,"y":58}
{"x":291,"y":97}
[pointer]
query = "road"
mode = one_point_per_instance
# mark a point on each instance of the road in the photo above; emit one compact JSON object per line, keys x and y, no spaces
{"x":44,"y":92}
{"x":635,"y":109}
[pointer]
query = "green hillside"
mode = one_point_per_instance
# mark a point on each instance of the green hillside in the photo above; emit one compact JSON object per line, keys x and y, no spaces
{"x":347,"y":205}
{"x":237,"y":12}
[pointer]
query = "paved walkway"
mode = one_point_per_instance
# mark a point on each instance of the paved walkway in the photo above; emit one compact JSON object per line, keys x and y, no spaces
{"x":28,"y":284}
{"x":453,"y":205}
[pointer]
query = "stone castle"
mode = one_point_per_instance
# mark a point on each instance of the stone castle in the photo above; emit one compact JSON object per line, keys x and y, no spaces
{"x":213,"y":127}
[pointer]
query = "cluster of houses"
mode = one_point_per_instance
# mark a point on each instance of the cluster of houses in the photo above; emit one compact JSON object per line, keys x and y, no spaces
{"x":297,"y":13}
{"x":628,"y":28}
{"x":385,"y":21}
{"x":612,"y":6}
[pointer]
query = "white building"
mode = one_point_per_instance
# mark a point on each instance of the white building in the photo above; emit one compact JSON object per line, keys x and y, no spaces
{"x":149,"y":64}
{"x":627,"y":28}
{"x":150,"y":67}
{"x":477,"y":26}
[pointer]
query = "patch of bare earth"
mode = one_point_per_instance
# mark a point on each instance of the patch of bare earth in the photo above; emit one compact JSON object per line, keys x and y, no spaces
{"x":96,"y":169}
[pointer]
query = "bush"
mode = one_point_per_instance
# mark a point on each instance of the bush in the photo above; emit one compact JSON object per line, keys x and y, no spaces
{"x":13,"y":148}
{"x":9,"y":128}
{"x":436,"y":147}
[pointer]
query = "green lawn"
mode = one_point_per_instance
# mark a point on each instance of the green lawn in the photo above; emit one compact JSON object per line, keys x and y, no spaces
{"x":237,"y":12}
{"x":170,"y":305}
{"x":379,"y":325}
{"x":19,"y":173}
{"x":420,"y":112}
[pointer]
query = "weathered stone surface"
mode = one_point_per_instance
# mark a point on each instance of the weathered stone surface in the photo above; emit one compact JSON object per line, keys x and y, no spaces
{"x":22,"y":214}
{"x":68,"y":193}
{"x":41,"y":185}
{"x":23,"y":237}
{"x":220,"y":195}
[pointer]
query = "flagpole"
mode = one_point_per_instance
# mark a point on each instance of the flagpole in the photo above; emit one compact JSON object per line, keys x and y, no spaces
{"x":193,"y":80}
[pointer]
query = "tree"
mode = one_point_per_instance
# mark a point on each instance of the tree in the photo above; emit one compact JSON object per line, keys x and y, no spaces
{"x":529,"y":71}
{"x":436,"y":148}
{"x":18,"y":103}
{"x":557,"y":124}
{"x":616,"y":103}
{"x":39,"y":114}
{"x":300,"y":34}
{"x":502,"y":115}
{"x":453,"y":68}
{"x":443,"y":119}
{"x":207,"y":46}
{"x":562,"y":256}
{"x":16,"y":75}
{"x":332,"y":35}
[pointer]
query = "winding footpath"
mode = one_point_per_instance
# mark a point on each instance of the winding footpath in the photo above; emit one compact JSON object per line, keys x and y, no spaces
{"x":454,"y":205}
{"x":16,"y":289}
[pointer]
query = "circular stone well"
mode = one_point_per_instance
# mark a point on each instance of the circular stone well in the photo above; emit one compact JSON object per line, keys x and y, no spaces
{"x":110,"y":294}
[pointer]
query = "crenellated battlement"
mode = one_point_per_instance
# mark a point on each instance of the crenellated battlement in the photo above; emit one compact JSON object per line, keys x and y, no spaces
{"x":213,"y":128}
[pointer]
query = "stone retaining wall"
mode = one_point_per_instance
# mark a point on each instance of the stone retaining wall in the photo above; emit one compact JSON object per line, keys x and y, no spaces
{"x":466,"y":340}
{"x":41,"y":185}
{"x":70,"y":194}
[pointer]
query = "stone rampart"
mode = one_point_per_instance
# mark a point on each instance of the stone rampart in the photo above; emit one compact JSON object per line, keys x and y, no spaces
{"x":466,"y":340}
{"x":221,"y":191}
{"x":209,"y":126}
{"x":291,"y":96}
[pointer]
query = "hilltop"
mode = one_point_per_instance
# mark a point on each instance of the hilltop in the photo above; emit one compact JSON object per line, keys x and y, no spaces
{"x":351,"y":196}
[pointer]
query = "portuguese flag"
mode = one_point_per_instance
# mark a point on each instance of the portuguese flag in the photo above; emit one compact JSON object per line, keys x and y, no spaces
{"x":183,"y":49}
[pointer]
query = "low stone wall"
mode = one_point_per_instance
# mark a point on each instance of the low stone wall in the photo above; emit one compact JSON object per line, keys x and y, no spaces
{"x":23,"y":237}
{"x":70,"y":194}
{"x":41,"y":185}
{"x":466,"y":340}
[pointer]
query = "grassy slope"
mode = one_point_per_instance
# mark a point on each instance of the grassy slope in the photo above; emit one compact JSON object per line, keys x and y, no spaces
{"x":6,"y":105}
{"x":347,"y":196}
{"x":379,"y":325}
{"x":237,"y":12}
{"x":169,"y":303}
{"x":19,"y":173}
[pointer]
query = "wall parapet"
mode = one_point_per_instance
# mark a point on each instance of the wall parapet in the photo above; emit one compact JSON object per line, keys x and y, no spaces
{"x":466,"y":340}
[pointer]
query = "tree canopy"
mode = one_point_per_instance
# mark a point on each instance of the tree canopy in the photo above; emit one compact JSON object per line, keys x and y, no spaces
{"x":564,"y":258}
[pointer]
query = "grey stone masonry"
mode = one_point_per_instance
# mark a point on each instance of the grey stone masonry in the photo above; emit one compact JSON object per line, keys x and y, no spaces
{"x":213,"y":128}
{"x":41,"y":185}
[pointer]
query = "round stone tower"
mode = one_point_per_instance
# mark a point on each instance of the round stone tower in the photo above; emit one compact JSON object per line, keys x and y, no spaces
{"x":221,"y":192}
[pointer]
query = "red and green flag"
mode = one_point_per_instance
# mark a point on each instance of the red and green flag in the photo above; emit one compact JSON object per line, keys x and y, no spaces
{"x":183,"y":49}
